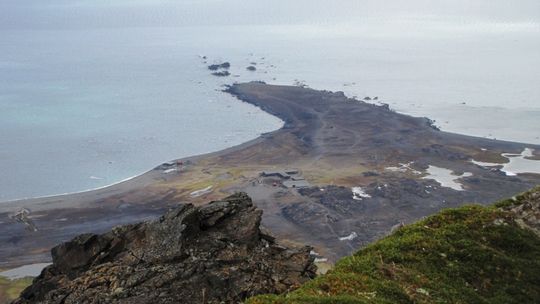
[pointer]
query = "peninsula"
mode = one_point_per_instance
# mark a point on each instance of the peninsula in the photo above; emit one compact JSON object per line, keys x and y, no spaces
{"x":338,"y":175}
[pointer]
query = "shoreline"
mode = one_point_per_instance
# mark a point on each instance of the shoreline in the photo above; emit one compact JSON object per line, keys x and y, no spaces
{"x":141,"y":180}
{"x":335,"y":142}
{"x":196,"y":156}
{"x":72,"y":193}
{"x":144,"y":174}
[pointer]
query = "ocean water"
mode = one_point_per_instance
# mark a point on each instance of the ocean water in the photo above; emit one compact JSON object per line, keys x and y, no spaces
{"x":93,"y":92}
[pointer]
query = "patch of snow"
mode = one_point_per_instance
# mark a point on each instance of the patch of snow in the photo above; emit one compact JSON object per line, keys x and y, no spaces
{"x":404,"y":168}
{"x":484,"y":164}
{"x":349,"y":237}
{"x":201,"y":192}
{"x":170,"y":170}
{"x":320,"y":260}
{"x":359,"y":193}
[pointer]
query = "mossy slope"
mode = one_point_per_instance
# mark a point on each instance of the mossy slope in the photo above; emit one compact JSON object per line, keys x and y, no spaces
{"x":471,"y":254}
{"x":10,"y":289}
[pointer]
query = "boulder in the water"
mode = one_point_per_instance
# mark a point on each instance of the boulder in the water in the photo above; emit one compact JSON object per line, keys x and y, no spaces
{"x":221,"y":73}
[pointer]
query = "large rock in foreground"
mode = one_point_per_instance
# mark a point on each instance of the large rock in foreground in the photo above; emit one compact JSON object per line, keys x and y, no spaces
{"x":210,"y":254}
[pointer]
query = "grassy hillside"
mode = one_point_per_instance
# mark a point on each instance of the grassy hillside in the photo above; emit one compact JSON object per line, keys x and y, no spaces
{"x":471,"y":254}
{"x":10,"y":289}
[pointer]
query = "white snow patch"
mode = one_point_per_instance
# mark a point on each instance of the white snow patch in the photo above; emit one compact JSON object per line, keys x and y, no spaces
{"x":349,"y":237}
{"x":170,"y":170}
{"x":201,"y":192}
{"x":404,"y":168}
{"x":359,"y":193}
{"x":484,"y":164}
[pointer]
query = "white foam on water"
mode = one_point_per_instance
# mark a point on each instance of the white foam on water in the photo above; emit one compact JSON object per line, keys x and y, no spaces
{"x":87,"y":190}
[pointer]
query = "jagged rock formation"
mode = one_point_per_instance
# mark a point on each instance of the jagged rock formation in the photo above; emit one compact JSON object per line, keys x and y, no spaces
{"x":210,"y":254}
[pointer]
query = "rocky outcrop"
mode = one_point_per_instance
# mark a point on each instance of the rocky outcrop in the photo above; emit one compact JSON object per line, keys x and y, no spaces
{"x":526,"y":210}
{"x":221,"y":73}
{"x":215,"y":67}
{"x":216,"y":253}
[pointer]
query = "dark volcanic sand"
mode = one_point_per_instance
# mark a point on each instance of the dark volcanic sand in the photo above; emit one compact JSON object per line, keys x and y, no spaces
{"x":335,"y":142}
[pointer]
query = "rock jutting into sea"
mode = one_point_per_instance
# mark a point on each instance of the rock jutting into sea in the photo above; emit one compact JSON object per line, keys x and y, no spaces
{"x":215,"y":67}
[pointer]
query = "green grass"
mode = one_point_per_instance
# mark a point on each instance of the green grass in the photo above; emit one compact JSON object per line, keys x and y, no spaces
{"x":10,"y":290}
{"x":471,"y":254}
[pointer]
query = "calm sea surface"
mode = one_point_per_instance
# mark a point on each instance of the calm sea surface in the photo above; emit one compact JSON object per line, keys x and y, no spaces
{"x":92,"y":93}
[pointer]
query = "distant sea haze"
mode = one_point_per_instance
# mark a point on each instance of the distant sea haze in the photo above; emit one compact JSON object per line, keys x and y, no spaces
{"x":93,"y":92}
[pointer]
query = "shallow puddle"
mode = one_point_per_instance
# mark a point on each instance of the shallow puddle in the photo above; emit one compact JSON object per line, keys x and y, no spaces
{"x":446,"y":177}
{"x":518,"y":163}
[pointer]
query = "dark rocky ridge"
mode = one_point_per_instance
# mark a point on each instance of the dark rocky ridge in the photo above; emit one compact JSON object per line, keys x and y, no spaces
{"x":210,"y":254}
